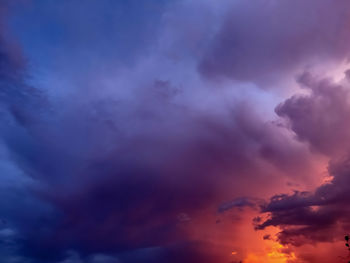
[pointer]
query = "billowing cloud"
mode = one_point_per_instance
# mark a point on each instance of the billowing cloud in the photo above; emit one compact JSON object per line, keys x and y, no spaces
{"x":318,"y":119}
{"x":118,"y":150}
{"x":129,"y":195}
{"x":321,"y":216}
{"x":264,"y":40}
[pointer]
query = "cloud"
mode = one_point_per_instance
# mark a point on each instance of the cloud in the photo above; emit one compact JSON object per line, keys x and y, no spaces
{"x":116,"y":176}
{"x":320,"y":216}
{"x":123,"y":162}
{"x":317,"y":118}
{"x":113,"y":170}
{"x":238,"y":203}
{"x":130,"y":196}
{"x":267,"y":40}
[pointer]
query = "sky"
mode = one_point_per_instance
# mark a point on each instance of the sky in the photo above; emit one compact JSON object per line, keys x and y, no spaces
{"x":153,"y":131}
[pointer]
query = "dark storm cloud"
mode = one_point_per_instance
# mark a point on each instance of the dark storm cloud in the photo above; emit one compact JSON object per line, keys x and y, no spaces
{"x":318,"y":118}
{"x":131,"y":196}
{"x":114,"y":177}
{"x":321,"y":216}
{"x":118,"y":175}
{"x":114,"y":189}
{"x":128,"y":196}
{"x":263,"y":39}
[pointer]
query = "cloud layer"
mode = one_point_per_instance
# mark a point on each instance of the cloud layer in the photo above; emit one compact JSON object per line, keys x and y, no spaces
{"x":125,"y":142}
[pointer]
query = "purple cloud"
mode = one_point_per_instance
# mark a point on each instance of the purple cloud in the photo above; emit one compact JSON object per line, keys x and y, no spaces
{"x":317,"y":118}
{"x":262,"y":41}
{"x":125,"y":159}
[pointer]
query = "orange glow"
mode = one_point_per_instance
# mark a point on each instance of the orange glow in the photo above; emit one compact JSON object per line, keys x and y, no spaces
{"x":274,"y":254}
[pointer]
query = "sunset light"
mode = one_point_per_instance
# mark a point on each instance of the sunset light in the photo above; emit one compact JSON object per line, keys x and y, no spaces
{"x":174,"y":131}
